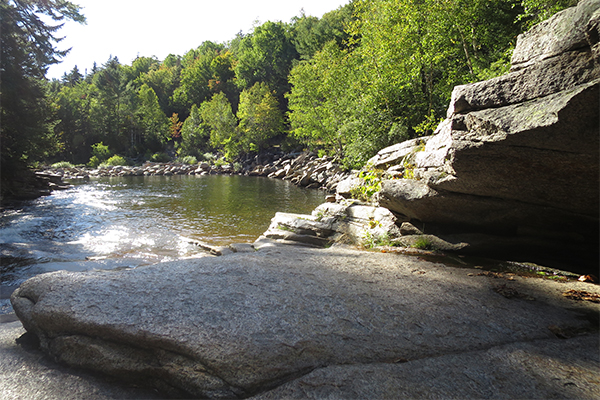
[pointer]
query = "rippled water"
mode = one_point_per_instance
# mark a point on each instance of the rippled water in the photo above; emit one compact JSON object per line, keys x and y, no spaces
{"x":131,"y":221}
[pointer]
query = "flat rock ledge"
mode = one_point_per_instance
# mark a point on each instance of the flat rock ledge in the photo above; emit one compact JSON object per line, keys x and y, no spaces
{"x":296,"y":322}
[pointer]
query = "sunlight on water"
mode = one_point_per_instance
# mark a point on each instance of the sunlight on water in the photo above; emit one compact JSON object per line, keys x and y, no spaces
{"x":93,"y":197}
{"x":127,"y":222}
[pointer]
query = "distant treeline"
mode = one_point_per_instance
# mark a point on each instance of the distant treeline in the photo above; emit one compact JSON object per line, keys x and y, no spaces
{"x":362,"y":77}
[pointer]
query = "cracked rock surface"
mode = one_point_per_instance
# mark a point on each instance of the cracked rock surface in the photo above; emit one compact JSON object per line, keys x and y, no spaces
{"x":247,"y":323}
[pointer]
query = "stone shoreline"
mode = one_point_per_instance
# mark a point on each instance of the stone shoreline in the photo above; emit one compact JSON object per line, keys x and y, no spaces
{"x":304,"y":170}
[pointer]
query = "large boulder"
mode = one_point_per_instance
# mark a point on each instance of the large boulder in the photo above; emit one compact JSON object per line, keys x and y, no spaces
{"x":245,"y":323}
{"x":518,"y":154}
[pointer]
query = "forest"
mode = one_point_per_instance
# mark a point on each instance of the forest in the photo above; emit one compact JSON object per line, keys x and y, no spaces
{"x":362,"y":77}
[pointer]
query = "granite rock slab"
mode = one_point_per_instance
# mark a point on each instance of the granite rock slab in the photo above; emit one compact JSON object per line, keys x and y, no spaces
{"x":245,"y":323}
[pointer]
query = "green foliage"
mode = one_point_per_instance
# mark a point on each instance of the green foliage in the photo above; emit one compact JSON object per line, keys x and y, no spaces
{"x":536,"y":11}
{"x":209,"y":157}
{"x":372,"y":240}
{"x":218,"y":116}
{"x":195,"y":133}
{"x":94,"y":162}
{"x":190,"y":160}
{"x":116,"y":160}
{"x":367,"y":75}
{"x":266,"y":55}
{"x":319,"y":101}
{"x":153,"y":122}
{"x":198,"y":70}
{"x":27,"y":48}
{"x":423,"y":243}
{"x":62,"y":164}
{"x":100,"y":151}
{"x":370,"y":184}
{"x":221,"y":162}
{"x":260,"y":117}
{"x":310,"y":34}
{"x":160,"y":157}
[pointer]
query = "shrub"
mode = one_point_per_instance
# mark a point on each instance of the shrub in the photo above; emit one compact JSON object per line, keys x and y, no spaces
{"x":190,"y":160}
{"x":373,"y":240}
{"x":423,"y":243}
{"x":160,"y":157}
{"x":221,"y":162}
{"x":371,"y":184}
{"x":209,"y":157}
{"x":116,"y":160}
{"x":94,"y":162}
{"x":100,"y":151}
{"x":63,"y":164}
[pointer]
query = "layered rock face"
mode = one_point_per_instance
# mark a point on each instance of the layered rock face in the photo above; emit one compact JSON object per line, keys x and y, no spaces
{"x":518,"y":154}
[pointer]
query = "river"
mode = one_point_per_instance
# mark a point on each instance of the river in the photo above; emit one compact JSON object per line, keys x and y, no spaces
{"x":131,"y":221}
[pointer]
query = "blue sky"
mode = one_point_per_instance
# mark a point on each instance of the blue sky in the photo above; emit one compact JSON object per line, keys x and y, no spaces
{"x":128,"y":28}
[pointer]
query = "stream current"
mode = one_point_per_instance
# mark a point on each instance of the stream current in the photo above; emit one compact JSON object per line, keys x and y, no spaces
{"x":131,"y":221}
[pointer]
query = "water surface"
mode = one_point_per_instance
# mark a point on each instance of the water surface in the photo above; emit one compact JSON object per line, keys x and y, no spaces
{"x":131,"y":221}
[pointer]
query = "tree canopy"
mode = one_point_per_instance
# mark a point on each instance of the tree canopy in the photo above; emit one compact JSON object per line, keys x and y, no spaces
{"x":28,"y":48}
{"x":361,"y":77}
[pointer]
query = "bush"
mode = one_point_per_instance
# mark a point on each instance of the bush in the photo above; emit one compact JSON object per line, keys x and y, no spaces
{"x":160,"y":157}
{"x":370,"y":184}
{"x":190,"y":160}
{"x":63,"y":164}
{"x":94,"y":162}
{"x":209,"y":157}
{"x":221,"y":162}
{"x":116,"y":160}
{"x":100,"y":151}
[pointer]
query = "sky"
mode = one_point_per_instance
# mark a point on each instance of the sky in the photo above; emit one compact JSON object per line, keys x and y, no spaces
{"x":129,"y":28}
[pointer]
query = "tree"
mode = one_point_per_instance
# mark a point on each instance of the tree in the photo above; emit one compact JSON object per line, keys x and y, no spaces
{"x":196,"y":74}
{"x":260,"y":117}
{"x":28,"y":48}
{"x":266,"y":55}
{"x":218,"y":116}
{"x":72,"y":78}
{"x":535,"y":11}
{"x":320,"y":100}
{"x":310,"y":34}
{"x":72,"y":106}
{"x":164,"y":79}
{"x":195,"y":133}
{"x":108,"y":110}
{"x":154,"y":122}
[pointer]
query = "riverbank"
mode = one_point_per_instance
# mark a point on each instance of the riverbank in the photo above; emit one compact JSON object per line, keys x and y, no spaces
{"x":294,"y":322}
{"x":302,"y":169}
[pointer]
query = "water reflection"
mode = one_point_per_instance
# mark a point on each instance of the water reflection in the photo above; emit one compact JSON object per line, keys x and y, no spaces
{"x":130,"y":221}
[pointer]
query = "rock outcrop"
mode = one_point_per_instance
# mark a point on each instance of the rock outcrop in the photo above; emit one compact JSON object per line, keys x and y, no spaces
{"x":248,"y":322}
{"x":353,"y":223}
{"x":329,"y":223}
{"x":518,"y":155}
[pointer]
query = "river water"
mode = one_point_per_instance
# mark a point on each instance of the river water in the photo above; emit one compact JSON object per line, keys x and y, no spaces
{"x":131,"y":221}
